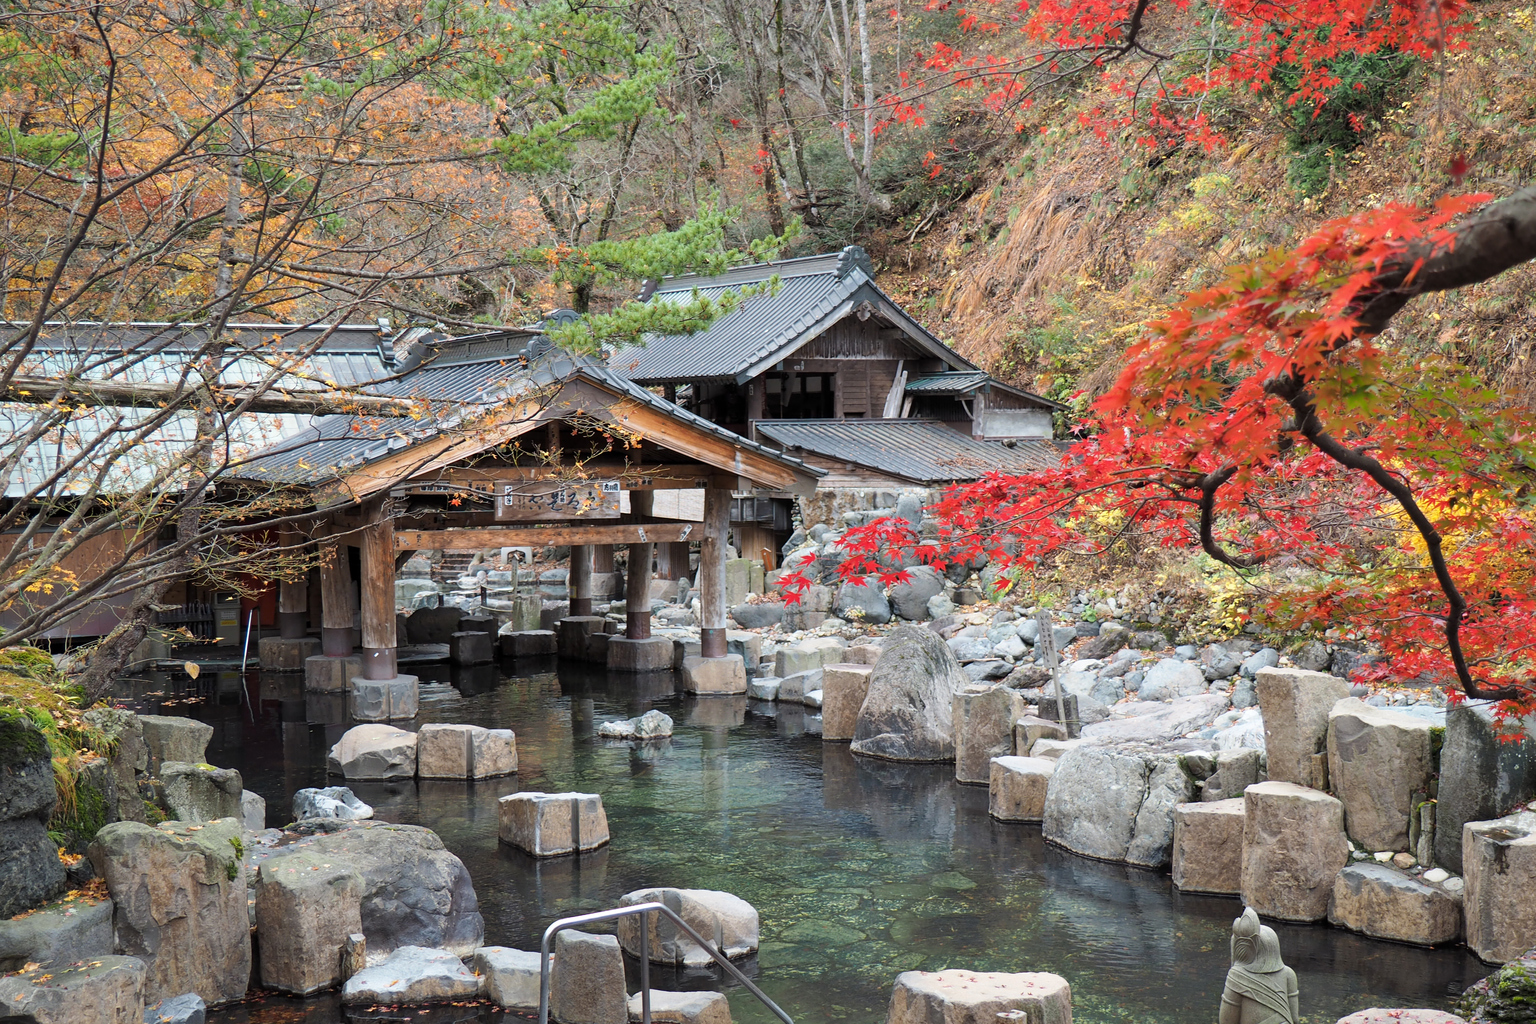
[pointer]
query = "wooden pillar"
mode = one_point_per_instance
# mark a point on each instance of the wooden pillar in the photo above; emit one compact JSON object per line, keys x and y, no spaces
{"x":378,"y":595}
{"x":680,"y":561}
{"x":602,"y":558}
{"x":637,"y":591}
{"x":335,"y":598}
{"x":711,"y":582}
{"x":292,"y":595}
{"x":579,"y":580}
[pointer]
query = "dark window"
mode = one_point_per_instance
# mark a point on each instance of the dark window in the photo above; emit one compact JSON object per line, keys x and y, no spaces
{"x":799,"y":396}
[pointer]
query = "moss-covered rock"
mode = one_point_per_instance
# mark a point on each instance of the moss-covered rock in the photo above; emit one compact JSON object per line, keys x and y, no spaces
{"x":1508,"y":996}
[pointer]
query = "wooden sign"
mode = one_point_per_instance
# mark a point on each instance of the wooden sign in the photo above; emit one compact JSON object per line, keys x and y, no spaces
{"x":535,"y":500}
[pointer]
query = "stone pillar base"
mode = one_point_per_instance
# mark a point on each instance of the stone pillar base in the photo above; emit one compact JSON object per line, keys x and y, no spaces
{"x":653,"y":654}
{"x":284,"y":654}
{"x":573,"y":632}
{"x":330,"y":675}
{"x":726,"y":675}
{"x":597,"y":648}
{"x":471,"y":648}
{"x":385,"y":700}
{"x":529,"y":643}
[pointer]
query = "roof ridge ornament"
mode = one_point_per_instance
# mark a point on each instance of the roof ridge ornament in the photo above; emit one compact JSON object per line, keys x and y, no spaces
{"x":854,"y":257}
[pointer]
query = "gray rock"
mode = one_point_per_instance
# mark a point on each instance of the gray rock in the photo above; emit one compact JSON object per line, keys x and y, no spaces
{"x":587,"y":981}
{"x":374,"y":752}
{"x":59,"y":933}
{"x":26,"y":772}
{"x":983,"y":721}
{"x":553,"y":824}
{"x":1168,"y":785}
{"x":1347,"y":662}
{"x":306,"y":905}
{"x":1114,"y":804}
{"x":683,"y":1007}
{"x":1504,"y":997}
{"x":173,"y":738}
{"x":253,"y":811}
{"x":1383,"y":902}
{"x":981,"y":671}
{"x":910,"y":600}
{"x":458,"y":751}
{"x":1481,"y":776}
{"x":758,"y":616}
{"x":180,"y":895}
{"x":1236,"y":770}
{"x":1086,"y":628}
{"x":415,"y":892}
{"x":197,"y":794}
{"x":1218,"y":663}
{"x":1500,"y":871}
{"x":651,"y":725}
{"x":1312,"y":656}
{"x":939,"y":606}
{"x":32,"y":870}
{"x":330,"y":802}
{"x":1208,"y":847}
{"x":1188,"y":652}
{"x":907,"y":713}
{"x":1156,"y":722}
{"x":978,"y":997}
{"x":109,"y":989}
{"x":130,"y":758}
{"x":1029,"y":630}
{"x":1293,"y":846}
{"x":1245,"y":694}
{"x":412,"y":975}
{"x":857,"y":602}
{"x":433,"y":625}
{"x":970,"y":648}
{"x":1379,"y":766}
{"x":793,"y":688}
{"x":1295,"y":704}
{"x":1171,"y":678}
{"x":511,"y":976}
{"x":729,"y":921}
{"x":183,"y":1009}
{"x":1266,"y":658}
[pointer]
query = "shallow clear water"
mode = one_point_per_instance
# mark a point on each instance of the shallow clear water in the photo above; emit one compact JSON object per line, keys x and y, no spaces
{"x":859,"y":869}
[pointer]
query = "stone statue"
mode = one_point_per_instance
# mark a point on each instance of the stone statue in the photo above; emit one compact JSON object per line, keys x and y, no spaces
{"x":1260,"y":988}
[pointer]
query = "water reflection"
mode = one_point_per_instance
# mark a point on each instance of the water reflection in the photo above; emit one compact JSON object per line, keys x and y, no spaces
{"x":860,"y":869}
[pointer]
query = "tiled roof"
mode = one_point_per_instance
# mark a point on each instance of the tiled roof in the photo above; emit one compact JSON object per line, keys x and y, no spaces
{"x":922,"y":450}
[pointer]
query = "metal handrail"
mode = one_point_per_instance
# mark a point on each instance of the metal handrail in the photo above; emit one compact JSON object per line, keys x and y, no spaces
{"x":645,"y":956}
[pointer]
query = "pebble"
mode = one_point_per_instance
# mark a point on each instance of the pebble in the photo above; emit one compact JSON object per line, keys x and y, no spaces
{"x":1404,"y":861}
{"x":1454,"y":884}
{"x":1384,"y":856}
{"x":1436,"y":875}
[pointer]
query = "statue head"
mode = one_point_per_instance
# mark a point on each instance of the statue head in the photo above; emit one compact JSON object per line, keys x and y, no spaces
{"x":1255,"y":946}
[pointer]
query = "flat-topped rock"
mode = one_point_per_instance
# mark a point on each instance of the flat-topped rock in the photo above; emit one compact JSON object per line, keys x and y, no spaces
{"x":1208,"y":846}
{"x":729,"y":921}
{"x":983,"y":719}
{"x":454,"y":751}
{"x":1499,"y":865}
{"x":683,"y":1007}
{"x":1376,"y":1015}
{"x":727,"y":675}
{"x":529,"y":643}
{"x":977,"y":997}
{"x":307,"y":903}
{"x":182,"y":1009}
{"x":511,"y":976}
{"x":174,"y":738}
{"x":57,"y":933}
{"x":1017,"y":787}
{"x":412,"y":975}
{"x":384,"y":700}
{"x":104,"y":990}
{"x":374,"y":752}
{"x":1295,"y":705}
{"x":1029,"y":729}
{"x":1379,"y":766}
{"x":198,"y":793}
{"x":843,"y":689}
{"x":553,"y":824}
{"x":586,"y":984}
{"x":1380,"y":901}
{"x":1293,"y":846}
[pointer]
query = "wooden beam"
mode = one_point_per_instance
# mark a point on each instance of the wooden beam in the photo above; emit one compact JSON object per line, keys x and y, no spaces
{"x":648,"y":477}
{"x":533,"y":536}
{"x":24,"y":389}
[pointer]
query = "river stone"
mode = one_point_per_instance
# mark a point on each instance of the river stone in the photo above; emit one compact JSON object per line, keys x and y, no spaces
{"x":374,"y":752}
{"x":683,"y":1007}
{"x":104,"y":990}
{"x":183,"y":1009}
{"x":909,"y":600}
{"x":726,"y":920}
{"x":415,"y":892}
{"x":1295,"y":705}
{"x":1385,"y":903}
{"x":1481,"y":776}
{"x":511,"y":976}
{"x":445,"y":751}
{"x":1293,"y":846}
{"x":843,"y":689}
{"x":649,"y":726}
{"x":977,"y":997}
{"x":758,"y":616}
{"x":553,"y":824}
{"x":908,"y":714}
{"x":180,"y":896}
{"x":586,"y":984}
{"x":174,"y":738}
{"x":330,"y":802}
{"x":1376,"y":1015}
{"x":1018,"y":786}
{"x":307,"y":903}
{"x":58,"y":933}
{"x":195,"y":793}
{"x":1208,"y":847}
{"x":1092,"y":800}
{"x":1378,"y":765}
{"x":412,"y":975}
{"x":983,"y":721}
{"x":1171,"y":678}
{"x":1499,"y":865}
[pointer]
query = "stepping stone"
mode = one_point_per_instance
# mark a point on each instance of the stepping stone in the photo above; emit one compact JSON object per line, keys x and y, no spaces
{"x":1018,"y":786}
{"x":465,"y":751}
{"x":412,"y":975}
{"x":1208,"y":846}
{"x":1293,"y":846}
{"x":107,"y":988}
{"x":1384,"y":903}
{"x":307,"y":903}
{"x":977,"y":997}
{"x":553,"y":824}
{"x":728,"y":921}
{"x":374,"y":752}
{"x":385,"y":700}
{"x":511,"y":976}
{"x":586,"y":984}
{"x":683,"y":1007}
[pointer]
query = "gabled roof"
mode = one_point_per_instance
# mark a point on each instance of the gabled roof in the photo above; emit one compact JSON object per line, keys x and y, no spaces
{"x":925,"y":451}
{"x":814,"y":292}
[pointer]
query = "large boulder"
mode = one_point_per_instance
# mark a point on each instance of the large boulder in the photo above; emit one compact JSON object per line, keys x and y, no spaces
{"x":728,"y":921}
{"x":174,"y":738}
{"x":180,"y":897}
{"x":1116,"y":804}
{"x":59,"y":932}
{"x":374,"y":752}
{"x":1482,"y":776}
{"x":1208,"y":847}
{"x":1384,"y":903}
{"x":1379,"y":766}
{"x":983,"y":721}
{"x":445,"y":751}
{"x":907,"y":714}
{"x":106,"y":990}
{"x":415,"y":892}
{"x":307,"y":903}
{"x":1295,"y":704}
{"x":413,"y":975}
{"x":1293,"y":846}
{"x":978,"y":997}
{"x":32,"y":872}
{"x":197,"y":793}
{"x":909,"y":600}
{"x":863,"y":602}
{"x":1499,"y":865}
{"x":586,"y":984}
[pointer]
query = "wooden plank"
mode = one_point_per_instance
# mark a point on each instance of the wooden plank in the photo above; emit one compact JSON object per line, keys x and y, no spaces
{"x":643,"y":477}
{"x":532,"y":536}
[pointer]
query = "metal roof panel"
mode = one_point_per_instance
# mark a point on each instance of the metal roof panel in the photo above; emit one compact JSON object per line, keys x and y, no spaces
{"x":923,"y":450}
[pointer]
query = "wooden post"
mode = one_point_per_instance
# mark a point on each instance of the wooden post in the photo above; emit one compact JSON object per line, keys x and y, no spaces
{"x":292,"y":596}
{"x":335,"y":598}
{"x":378,"y":595}
{"x":637,"y":591}
{"x":602,"y":555}
{"x":579,"y":580}
{"x":711,"y":582}
{"x":679,"y":559}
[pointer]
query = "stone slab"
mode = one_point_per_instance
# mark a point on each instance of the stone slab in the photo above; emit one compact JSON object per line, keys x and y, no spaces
{"x":284,"y":654}
{"x":454,"y":751}
{"x":384,"y":700}
{"x":373,"y":752}
{"x":471,"y":647}
{"x":1379,"y":766}
{"x":586,"y":984}
{"x":1208,"y":846}
{"x":1017,"y":788}
{"x":1295,"y":705}
{"x":727,"y":675}
{"x":1499,"y":865}
{"x":653,"y":654}
{"x":977,"y":997}
{"x":1380,"y":901}
{"x":529,"y":643}
{"x":683,"y":1007}
{"x":412,"y":975}
{"x":174,"y":738}
{"x":57,"y":933}
{"x":983,"y":718}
